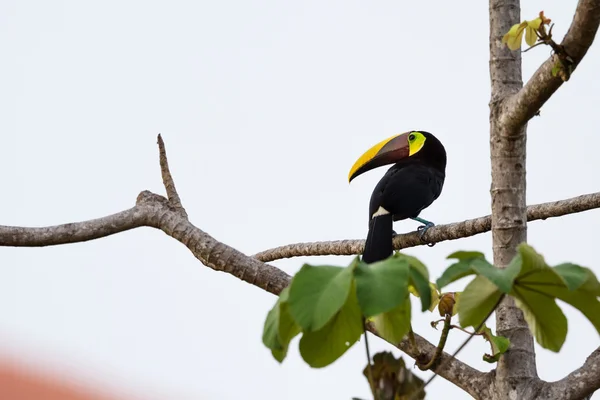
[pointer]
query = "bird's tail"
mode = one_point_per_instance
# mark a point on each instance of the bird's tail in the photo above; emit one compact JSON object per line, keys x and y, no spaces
{"x":379,"y":239}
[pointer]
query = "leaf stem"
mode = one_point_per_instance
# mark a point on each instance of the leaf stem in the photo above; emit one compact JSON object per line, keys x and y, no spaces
{"x":466,"y":341}
{"x":440,"y":346}
{"x":369,"y":369}
{"x":464,"y":330}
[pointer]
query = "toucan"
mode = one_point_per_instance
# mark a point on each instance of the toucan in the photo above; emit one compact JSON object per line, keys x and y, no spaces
{"x":407,"y":188}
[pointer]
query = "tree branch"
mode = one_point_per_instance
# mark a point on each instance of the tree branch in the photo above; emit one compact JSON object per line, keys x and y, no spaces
{"x":16,"y":236}
{"x":156,"y":211}
{"x":521,"y":107}
{"x":438,"y":233}
{"x":578,"y":384}
{"x":168,"y":181}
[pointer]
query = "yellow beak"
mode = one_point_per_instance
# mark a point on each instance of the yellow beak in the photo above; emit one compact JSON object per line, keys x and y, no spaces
{"x":388,"y":151}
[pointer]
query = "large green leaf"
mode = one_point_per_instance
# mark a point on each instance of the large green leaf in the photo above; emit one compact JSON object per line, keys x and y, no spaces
{"x":591,"y":285}
{"x":572,"y":275}
{"x":288,"y":329}
{"x":381,"y":286}
{"x":477,"y":300}
{"x":454,"y":272}
{"x":462,"y":255}
{"x":531,"y":261}
{"x":394,"y":324}
{"x":584,"y":298}
{"x":280,"y":328}
{"x":537,"y":287}
{"x":471,"y":262}
{"x":321,"y":348}
{"x":544,"y":317}
{"x":317,"y":293}
{"x":415,"y":263}
{"x":501,"y":277}
{"x":586,"y":303}
{"x":271,"y":327}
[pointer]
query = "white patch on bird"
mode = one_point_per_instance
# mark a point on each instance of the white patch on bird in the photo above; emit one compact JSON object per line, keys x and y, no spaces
{"x":380,"y":211}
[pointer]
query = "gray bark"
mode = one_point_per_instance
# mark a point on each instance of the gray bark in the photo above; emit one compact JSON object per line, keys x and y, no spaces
{"x":511,"y":107}
{"x":509,"y":211}
{"x":436,"y":234}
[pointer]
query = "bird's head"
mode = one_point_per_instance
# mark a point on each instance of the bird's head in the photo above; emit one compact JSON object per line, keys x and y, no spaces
{"x":408,"y":146}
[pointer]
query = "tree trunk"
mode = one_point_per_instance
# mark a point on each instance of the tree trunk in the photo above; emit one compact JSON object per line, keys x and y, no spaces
{"x":509,"y":209}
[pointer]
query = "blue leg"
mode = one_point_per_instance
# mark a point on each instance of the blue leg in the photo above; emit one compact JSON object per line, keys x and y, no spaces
{"x":424,"y":228}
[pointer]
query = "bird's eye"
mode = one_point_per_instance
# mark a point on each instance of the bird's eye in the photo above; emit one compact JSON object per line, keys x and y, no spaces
{"x":411,"y":137}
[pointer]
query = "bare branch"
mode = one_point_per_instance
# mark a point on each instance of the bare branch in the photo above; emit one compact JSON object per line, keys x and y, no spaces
{"x":168,"y":181}
{"x":521,"y":107}
{"x":438,"y":233}
{"x":578,"y":384}
{"x":74,"y":232}
{"x":155,"y":211}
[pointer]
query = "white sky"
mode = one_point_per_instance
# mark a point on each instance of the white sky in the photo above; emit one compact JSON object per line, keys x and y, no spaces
{"x":264,"y":107}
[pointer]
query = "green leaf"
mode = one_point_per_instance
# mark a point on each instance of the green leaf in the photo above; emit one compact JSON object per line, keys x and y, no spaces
{"x":271,"y":327}
{"x":565,"y":283}
{"x":279,"y":328}
{"x":321,"y":348}
{"x":454,"y":272}
{"x":421,"y":283}
{"x":501,"y":277}
{"x":394,"y":324}
{"x":573,"y":275}
{"x":544,"y":317}
{"x":537,"y":287}
{"x":381,"y":286}
{"x":499,"y":345}
{"x":288,"y":329}
{"x":317,"y":293}
{"x":466,"y":255}
{"x":415,"y":264}
{"x":591,"y":284}
{"x":477,"y":300}
{"x":531,"y":261}
{"x":471,"y":262}
{"x":587,"y":303}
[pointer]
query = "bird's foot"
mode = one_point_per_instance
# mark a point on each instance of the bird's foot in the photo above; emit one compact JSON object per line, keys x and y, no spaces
{"x":423,"y":229}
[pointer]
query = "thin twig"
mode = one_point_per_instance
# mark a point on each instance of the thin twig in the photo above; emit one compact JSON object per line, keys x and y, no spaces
{"x":443,"y":364}
{"x":440,"y":347}
{"x":167,"y":178}
{"x":465,"y":331}
{"x":369,"y":369}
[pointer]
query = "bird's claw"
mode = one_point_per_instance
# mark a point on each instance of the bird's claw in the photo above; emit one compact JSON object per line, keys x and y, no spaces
{"x":423,"y":229}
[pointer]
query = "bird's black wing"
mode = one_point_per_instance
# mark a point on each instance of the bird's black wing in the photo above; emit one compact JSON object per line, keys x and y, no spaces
{"x":406,"y":190}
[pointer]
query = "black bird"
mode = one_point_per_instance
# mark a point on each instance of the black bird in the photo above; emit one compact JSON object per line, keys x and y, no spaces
{"x":407,"y":188}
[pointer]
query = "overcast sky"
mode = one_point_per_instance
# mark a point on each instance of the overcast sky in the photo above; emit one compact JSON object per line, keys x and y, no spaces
{"x":264,"y":107}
